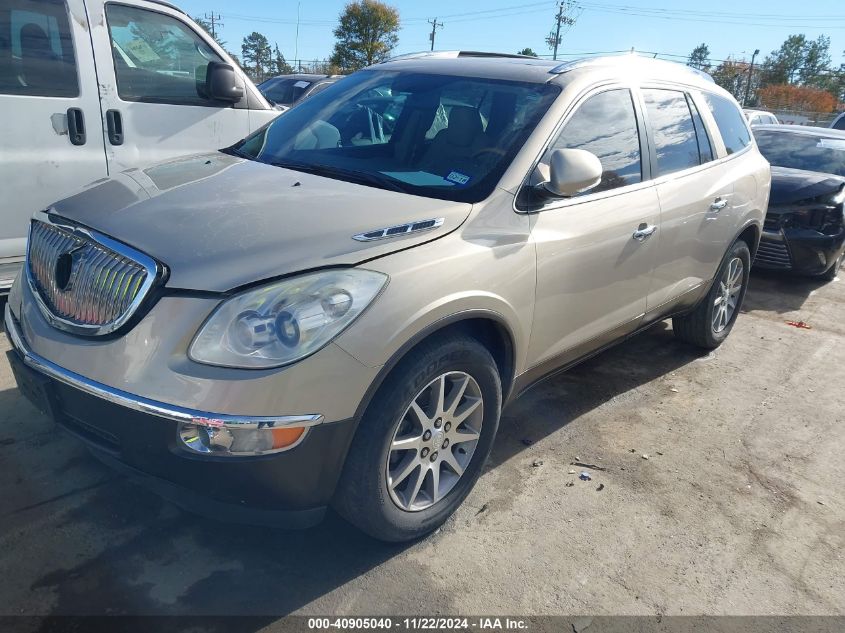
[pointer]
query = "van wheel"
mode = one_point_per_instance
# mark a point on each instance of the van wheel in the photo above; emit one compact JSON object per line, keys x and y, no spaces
{"x":712,"y":320}
{"x":423,"y":441}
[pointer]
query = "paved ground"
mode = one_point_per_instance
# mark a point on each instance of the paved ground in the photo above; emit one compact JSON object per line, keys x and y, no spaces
{"x":738,"y":509}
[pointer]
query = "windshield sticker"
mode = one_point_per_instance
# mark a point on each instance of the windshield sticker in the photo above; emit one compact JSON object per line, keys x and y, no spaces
{"x":419,"y":178}
{"x":300,"y":84}
{"x":458,"y":177}
{"x":832,"y":143}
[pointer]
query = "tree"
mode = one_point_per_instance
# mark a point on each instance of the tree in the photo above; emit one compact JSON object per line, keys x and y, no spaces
{"x":257,"y":56}
{"x":279,"y":65}
{"x":527,"y":51}
{"x":367,"y":32}
{"x":700,"y":58}
{"x":782,"y":66}
{"x":802,"y":98}
{"x":816,"y":62}
{"x":732,"y":75}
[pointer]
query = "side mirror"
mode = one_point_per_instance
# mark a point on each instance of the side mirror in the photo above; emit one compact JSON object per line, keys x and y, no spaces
{"x":572,"y":171}
{"x":221,"y":83}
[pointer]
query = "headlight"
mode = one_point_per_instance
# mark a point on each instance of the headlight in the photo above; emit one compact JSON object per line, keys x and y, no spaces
{"x":285,"y":321}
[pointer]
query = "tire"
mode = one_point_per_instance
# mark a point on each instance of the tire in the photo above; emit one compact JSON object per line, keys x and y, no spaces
{"x":390,"y":509}
{"x":703,"y":327}
{"x":830,"y":273}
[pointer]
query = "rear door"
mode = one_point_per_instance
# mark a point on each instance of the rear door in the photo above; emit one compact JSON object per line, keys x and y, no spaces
{"x":152,"y":62}
{"x":596,"y":251}
{"x":696,"y":196}
{"x":47,"y":81}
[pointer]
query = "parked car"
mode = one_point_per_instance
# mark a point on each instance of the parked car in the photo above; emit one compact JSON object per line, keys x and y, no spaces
{"x":286,"y":90}
{"x":760,"y":117}
{"x":299,"y":321}
{"x":839,"y":122}
{"x":805,"y":229}
{"x":90,"y":88}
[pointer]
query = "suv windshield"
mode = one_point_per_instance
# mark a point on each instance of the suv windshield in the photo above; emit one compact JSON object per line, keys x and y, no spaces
{"x":439,"y":136}
{"x":800,"y":151}
{"x":284,"y":91}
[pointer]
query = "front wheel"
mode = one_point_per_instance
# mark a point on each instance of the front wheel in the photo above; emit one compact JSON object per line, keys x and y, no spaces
{"x":712,"y":320}
{"x":423,"y":441}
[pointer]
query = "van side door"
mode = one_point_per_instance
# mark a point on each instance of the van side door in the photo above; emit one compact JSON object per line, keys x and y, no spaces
{"x":595,"y":251}
{"x":51,"y":140}
{"x":152,"y":61}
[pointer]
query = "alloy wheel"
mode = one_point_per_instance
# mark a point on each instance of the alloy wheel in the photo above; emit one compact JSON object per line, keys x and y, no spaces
{"x":730,"y":287}
{"x":434,"y":441}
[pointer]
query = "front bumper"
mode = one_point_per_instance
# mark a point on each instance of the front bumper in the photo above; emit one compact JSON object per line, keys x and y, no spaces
{"x":799,"y":250}
{"x":140,"y":436}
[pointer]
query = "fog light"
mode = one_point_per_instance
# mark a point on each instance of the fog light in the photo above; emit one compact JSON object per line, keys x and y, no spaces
{"x":230,"y":440}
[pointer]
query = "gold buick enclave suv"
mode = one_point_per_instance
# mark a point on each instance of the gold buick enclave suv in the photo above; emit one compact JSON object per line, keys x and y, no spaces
{"x":335,"y":310}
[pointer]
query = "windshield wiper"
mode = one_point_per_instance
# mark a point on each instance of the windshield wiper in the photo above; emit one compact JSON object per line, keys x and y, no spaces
{"x":350,"y":175}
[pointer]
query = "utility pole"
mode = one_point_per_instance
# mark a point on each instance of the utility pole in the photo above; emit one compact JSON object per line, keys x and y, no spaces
{"x":750,"y":74}
{"x":215,"y":22}
{"x":560,"y":18}
{"x":434,"y":24}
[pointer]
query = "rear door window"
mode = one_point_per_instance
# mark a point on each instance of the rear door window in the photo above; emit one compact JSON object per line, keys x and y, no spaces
{"x":606,"y":125}
{"x":157,"y":58}
{"x":36,"y":49}
{"x":730,"y":122}
{"x":675,"y":140}
{"x":705,"y":148}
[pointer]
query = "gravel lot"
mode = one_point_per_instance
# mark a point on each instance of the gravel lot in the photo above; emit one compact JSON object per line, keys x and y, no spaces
{"x":738,"y":509}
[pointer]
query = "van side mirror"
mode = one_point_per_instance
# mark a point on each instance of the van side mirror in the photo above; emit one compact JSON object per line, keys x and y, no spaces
{"x":571,"y":171}
{"x":221,"y":82}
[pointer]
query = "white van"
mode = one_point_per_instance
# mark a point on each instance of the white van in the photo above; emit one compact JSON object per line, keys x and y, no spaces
{"x":89,"y":88}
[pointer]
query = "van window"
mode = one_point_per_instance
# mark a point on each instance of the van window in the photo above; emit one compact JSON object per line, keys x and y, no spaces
{"x":840,"y":123}
{"x":606,"y":125}
{"x":730,"y":122}
{"x":673,"y":130}
{"x":36,"y":49}
{"x":157,"y":58}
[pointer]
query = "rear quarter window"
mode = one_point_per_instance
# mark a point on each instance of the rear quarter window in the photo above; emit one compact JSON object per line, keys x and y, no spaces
{"x":730,"y":121}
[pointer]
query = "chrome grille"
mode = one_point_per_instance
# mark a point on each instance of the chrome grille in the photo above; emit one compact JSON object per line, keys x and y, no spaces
{"x":84,"y":282}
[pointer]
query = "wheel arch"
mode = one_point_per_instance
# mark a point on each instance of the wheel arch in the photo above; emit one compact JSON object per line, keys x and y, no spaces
{"x":487,"y":327}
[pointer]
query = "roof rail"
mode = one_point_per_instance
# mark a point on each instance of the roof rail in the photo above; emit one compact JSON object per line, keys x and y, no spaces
{"x":633,"y":58}
{"x":455,"y":54}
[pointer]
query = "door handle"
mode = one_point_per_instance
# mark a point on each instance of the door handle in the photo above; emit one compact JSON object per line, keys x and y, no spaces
{"x":718,"y":204}
{"x":114,"y":123}
{"x":644,"y":231}
{"x":76,"y":126}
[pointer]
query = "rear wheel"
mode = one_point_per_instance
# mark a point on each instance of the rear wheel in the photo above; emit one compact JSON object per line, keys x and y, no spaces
{"x":712,"y":320}
{"x":423,"y":441}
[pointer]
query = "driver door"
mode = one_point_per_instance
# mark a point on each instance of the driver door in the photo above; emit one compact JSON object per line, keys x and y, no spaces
{"x":593,"y":273}
{"x":150,"y":61}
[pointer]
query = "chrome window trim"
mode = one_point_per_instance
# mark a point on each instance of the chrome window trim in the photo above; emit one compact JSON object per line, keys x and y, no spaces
{"x":145,"y":405}
{"x":154,"y":272}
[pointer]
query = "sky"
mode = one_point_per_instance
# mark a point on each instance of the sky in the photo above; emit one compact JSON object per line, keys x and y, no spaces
{"x":731,"y":29}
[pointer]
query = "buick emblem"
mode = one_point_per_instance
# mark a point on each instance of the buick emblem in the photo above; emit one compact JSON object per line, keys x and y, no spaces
{"x":63,"y":271}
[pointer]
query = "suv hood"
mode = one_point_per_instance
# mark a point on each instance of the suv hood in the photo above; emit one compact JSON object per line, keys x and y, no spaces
{"x":219,"y":222}
{"x":796,"y":185}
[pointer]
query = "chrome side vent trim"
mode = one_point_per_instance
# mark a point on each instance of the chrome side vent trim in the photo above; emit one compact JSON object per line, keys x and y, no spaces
{"x":399,"y":229}
{"x":85,"y":282}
